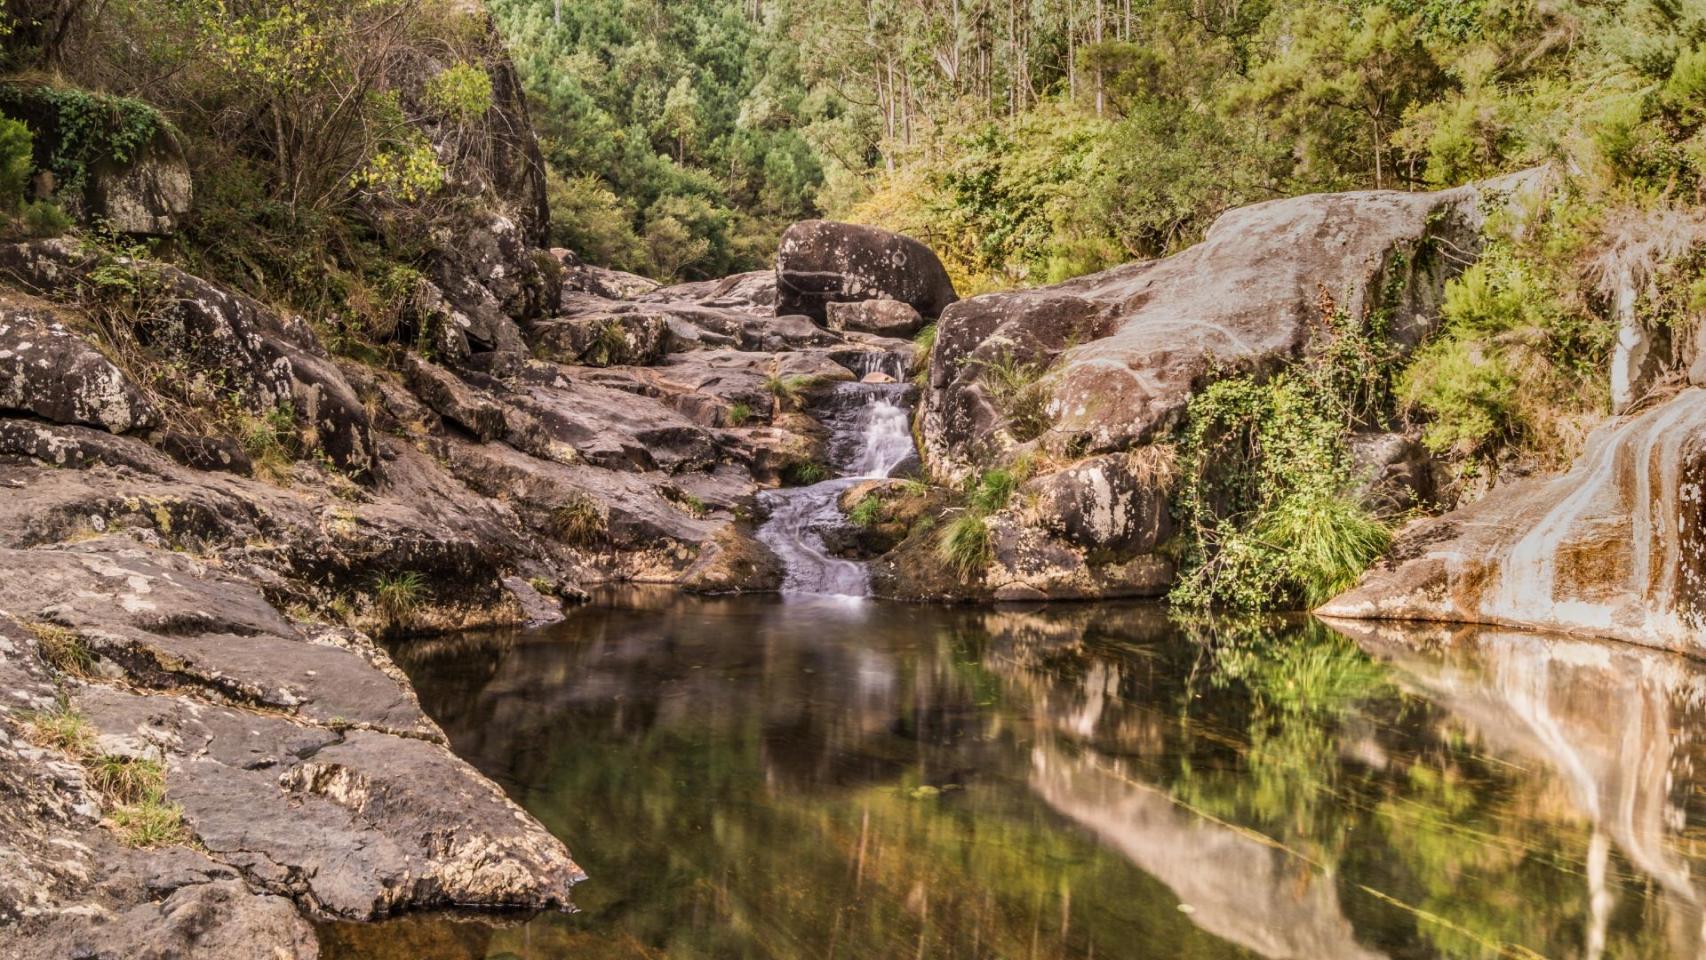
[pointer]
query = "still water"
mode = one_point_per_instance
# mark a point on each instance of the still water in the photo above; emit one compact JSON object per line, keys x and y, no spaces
{"x":772,"y":778}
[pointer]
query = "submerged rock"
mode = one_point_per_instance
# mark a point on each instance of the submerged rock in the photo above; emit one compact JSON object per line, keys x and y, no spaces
{"x":1614,"y":548}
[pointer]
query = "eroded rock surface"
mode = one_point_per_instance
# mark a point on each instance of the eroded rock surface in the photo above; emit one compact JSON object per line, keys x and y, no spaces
{"x":1614,"y":548}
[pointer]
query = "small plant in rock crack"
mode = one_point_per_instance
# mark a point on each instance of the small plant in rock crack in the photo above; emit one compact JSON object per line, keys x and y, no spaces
{"x":63,"y":649}
{"x":789,"y":391}
{"x":399,"y":596}
{"x":739,"y":414}
{"x":868,"y":512}
{"x":1016,"y":389}
{"x":579,"y":521}
{"x":63,"y":728}
{"x":804,"y":473}
{"x":965,"y":544}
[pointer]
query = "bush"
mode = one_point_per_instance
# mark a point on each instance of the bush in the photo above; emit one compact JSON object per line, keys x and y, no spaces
{"x":16,"y":163}
{"x":462,"y":92}
{"x":1467,"y":394}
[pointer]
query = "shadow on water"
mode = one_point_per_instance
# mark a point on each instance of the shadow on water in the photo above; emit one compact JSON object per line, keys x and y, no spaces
{"x":768,"y":778}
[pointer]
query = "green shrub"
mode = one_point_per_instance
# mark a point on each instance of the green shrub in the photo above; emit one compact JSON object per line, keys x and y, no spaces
{"x":995,"y":488}
{"x":16,"y":163}
{"x":1466,"y":393}
{"x":1266,"y":495}
{"x":43,"y":220}
{"x":739,"y":414}
{"x":462,"y":92}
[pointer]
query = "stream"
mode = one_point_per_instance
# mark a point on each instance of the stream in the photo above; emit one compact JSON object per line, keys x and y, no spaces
{"x":818,"y":776}
{"x":870,"y":438}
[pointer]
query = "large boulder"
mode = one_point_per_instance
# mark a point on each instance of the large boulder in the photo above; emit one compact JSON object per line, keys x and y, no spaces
{"x":146,"y":192}
{"x":49,"y":372}
{"x":1119,"y":354}
{"x":822,"y":262}
{"x":884,"y":318}
{"x":1614,"y":548}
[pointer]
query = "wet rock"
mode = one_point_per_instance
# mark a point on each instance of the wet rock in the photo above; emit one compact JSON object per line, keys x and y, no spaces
{"x":820,"y":262}
{"x":454,"y":400}
{"x":1614,"y":548}
{"x":49,"y":372}
{"x":885,"y":318}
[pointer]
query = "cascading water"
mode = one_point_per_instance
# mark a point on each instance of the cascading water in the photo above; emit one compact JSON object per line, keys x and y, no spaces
{"x":870,"y":438}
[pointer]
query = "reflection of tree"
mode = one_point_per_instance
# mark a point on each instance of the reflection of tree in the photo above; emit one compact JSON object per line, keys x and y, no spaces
{"x":747,"y":780}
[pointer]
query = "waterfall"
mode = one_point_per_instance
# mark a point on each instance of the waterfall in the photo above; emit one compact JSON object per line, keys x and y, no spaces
{"x":870,"y":438}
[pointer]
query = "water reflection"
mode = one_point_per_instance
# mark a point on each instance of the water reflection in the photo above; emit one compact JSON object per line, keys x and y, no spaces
{"x":755,"y":778}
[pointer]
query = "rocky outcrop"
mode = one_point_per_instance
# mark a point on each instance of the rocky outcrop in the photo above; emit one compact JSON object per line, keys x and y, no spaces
{"x":822,"y":262}
{"x":49,"y":372}
{"x":145,"y":191}
{"x":1613,"y":548}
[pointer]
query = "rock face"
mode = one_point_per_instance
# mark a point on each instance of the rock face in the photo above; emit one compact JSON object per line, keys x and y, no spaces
{"x":48,"y":372}
{"x":1121,"y":353}
{"x":822,"y":262}
{"x":1615,"y":548}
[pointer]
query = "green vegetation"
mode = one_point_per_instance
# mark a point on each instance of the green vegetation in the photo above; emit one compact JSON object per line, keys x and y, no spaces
{"x":965,"y":543}
{"x":1017,"y":390}
{"x":804,"y":473}
{"x":133,"y":789}
{"x":580,"y":521}
{"x":1267,"y":496}
{"x":400,"y":596}
{"x":790,"y":391}
{"x":64,"y":649}
{"x":868,"y":512}
{"x":740,"y":413}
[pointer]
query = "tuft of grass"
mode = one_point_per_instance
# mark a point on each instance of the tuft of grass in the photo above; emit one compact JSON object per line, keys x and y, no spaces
{"x":1329,"y":542}
{"x":63,"y":728}
{"x":126,"y":780}
{"x":399,"y":595}
{"x":270,"y":440}
{"x":868,"y":512}
{"x":739,"y":414}
{"x":964,"y":544}
{"x":994,"y":489}
{"x":580,"y":521}
{"x":804,"y":473}
{"x":150,"y":822}
{"x":789,"y":391}
{"x":63,"y":649}
{"x":922,"y":346}
{"x":1017,"y":391}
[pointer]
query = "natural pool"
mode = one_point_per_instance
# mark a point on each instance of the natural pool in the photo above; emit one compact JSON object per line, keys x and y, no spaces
{"x":822,"y":778}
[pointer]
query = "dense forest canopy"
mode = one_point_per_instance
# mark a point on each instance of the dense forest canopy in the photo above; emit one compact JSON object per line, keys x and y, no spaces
{"x":1038,"y":139}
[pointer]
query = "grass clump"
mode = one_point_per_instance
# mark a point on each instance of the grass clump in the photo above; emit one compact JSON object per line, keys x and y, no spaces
{"x":63,"y":649}
{"x":804,"y":473}
{"x":399,"y":596}
{"x":63,"y":728}
{"x":965,"y":544}
{"x":790,"y":391}
{"x":126,"y":779}
{"x":150,"y":822}
{"x":271,"y":440}
{"x":1017,"y":391}
{"x":868,"y":512}
{"x":739,"y":414}
{"x":580,"y":521}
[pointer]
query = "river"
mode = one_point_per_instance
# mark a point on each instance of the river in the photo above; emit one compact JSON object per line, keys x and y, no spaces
{"x":765,"y":777}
